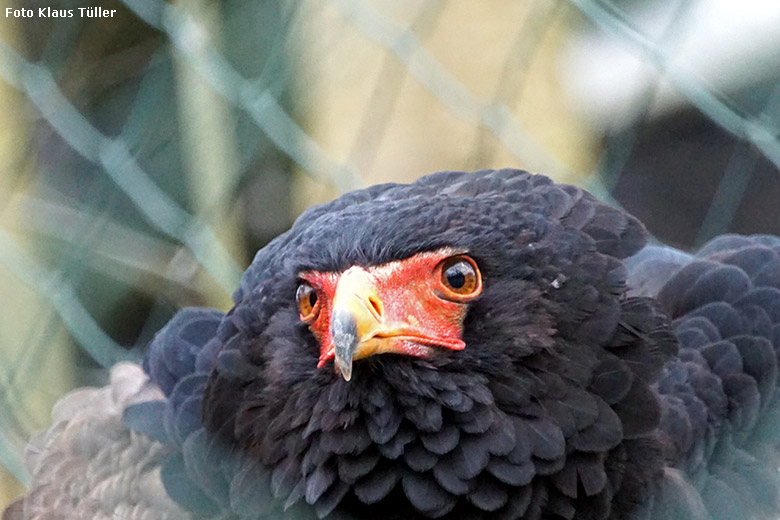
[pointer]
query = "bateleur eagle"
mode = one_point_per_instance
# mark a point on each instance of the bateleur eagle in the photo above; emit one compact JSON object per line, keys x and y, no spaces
{"x":471,"y":345}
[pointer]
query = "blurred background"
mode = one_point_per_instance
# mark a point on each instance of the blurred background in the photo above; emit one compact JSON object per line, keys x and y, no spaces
{"x":145,"y":157}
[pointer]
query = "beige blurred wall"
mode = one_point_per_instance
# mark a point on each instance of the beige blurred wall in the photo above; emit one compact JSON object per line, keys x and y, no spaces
{"x":365,"y":107}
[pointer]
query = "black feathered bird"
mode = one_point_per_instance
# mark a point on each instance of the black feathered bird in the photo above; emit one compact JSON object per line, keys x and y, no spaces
{"x":486,"y":345}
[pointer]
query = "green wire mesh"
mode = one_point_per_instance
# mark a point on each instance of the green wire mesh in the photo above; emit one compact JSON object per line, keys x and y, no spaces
{"x":145,"y":178}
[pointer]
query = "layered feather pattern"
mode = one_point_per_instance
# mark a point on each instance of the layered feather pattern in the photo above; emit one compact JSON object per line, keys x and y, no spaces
{"x":719,"y":398}
{"x":89,"y":464}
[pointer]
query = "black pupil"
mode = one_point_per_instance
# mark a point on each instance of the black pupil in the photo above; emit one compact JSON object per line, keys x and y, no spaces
{"x":456,"y":276}
{"x":312,"y":297}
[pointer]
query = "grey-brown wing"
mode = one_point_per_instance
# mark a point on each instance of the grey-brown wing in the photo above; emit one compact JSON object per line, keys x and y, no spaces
{"x":90,"y":465}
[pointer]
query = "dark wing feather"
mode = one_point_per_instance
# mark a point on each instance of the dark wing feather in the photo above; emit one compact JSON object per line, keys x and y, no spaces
{"x":719,"y":398}
{"x":652,"y":267}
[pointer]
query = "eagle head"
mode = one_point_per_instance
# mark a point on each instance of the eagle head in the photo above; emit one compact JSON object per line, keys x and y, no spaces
{"x":457,"y":347}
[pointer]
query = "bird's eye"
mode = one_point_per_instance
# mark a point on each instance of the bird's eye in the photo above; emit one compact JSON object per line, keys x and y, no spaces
{"x":306,"y":296}
{"x":459,"y":278}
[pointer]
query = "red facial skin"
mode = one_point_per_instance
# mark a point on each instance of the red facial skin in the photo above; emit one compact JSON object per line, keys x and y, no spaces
{"x":401,"y":307}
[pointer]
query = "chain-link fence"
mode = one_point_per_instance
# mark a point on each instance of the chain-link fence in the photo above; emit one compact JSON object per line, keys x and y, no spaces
{"x":147,"y":149}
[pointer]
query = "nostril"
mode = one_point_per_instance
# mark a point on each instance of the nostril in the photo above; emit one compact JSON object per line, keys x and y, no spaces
{"x":376,"y":305}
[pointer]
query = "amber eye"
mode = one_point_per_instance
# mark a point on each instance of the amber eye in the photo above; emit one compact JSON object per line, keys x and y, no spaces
{"x":459,"y":278}
{"x":306,"y":297}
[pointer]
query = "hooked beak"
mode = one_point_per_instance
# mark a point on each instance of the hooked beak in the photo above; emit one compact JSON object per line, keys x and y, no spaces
{"x":356,"y":318}
{"x":345,"y":341}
